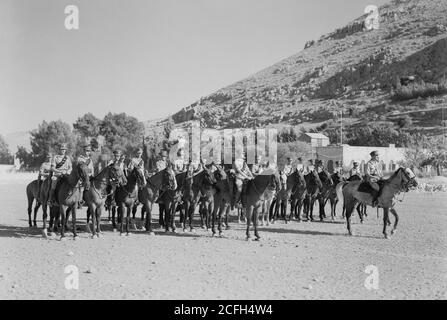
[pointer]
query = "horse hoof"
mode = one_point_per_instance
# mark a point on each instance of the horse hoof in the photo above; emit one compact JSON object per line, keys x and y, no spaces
{"x":193,"y":230}
{"x":213,"y":235}
{"x":174,"y":231}
{"x":122,"y":234}
{"x":227,"y":228}
{"x":258,"y":239}
{"x":185,"y":230}
{"x":128,"y":234}
{"x":248,"y":238}
{"x":95,"y":236}
{"x":393,"y":231}
{"x":75,"y":238}
{"x":386,"y":236}
{"x":62,"y":238}
{"x":44,"y":233}
{"x":114,"y":230}
{"x":152,"y":233}
{"x":221,"y":235}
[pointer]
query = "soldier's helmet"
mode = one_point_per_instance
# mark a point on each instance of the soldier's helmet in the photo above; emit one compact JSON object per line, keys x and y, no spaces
{"x":63,"y":146}
{"x":355,"y":163}
{"x":374,"y":153}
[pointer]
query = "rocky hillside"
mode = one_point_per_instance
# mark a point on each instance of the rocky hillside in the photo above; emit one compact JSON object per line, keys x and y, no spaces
{"x":373,"y":75}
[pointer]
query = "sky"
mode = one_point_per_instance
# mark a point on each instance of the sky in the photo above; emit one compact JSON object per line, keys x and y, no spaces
{"x":147,"y":58}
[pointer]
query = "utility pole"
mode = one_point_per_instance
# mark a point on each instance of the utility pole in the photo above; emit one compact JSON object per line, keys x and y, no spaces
{"x":341,"y":126}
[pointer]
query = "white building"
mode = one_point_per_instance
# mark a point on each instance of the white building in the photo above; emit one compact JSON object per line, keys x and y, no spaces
{"x":346,"y":154}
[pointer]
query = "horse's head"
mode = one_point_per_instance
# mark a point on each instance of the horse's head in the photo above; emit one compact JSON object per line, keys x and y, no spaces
{"x":116,"y":175}
{"x":314,"y":178}
{"x":408,"y":179}
{"x":220,"y":173}
{"x":139,"y":175}
{"x":208,"y":177}
{"x":169,"y":180}
{"x":82,"y":171}
{"x":325,"y":178}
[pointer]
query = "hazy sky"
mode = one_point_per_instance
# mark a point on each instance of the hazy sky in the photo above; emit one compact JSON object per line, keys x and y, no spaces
{"x":148,"y":58}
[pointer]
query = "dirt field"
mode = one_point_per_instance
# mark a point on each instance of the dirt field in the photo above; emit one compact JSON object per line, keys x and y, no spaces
{"x":295,"y":261}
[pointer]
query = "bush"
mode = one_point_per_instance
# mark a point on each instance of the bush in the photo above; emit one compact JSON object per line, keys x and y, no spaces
{"x":419,"y":90}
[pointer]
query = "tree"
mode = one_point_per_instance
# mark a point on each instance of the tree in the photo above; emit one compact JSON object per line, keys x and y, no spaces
{"x":122,"y":131}
{"x":293,"y":150}
{"x":47,"y":138}
{"x":5,"y":155}
{"x":437,"y":155}
{"x":25,"y":157}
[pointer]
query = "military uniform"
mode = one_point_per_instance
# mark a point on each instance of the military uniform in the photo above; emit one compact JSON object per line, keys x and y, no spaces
{"x":288,"y":169}
{"x":300,"y":167}
{"x":373,"y":175}
{"x":242,"y":173}
{"x":88,"y":162}
{"x":60,"y":165}
{"x":354,"y":171}
{"x":44,"y":172}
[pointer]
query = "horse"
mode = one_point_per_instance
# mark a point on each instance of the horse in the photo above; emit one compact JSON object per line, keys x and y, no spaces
{"x":313,"y":186}
{"x":336,"y":178}
{"x":297,"y":196}
{"x":41,"y":198}
{"x":206,"y":181}
{"x":68,"y":194}
{"x":148,"y":195}
{"x":168,"y":201}
{"x":325,"y":191}
{"x":95,"y":196}
{"x":361,"y":208}
{"x":352,"y":192}
{"x":222,"y":199}
{"x":126,"y":195}
{"x":254,"y":197}
{"x":282,"y":198}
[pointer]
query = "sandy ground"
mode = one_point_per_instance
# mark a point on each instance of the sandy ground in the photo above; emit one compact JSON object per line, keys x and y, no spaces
{"x":295,"y":261}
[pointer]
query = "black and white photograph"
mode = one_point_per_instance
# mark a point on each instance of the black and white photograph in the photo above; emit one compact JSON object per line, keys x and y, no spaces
{"x":232,"y":152}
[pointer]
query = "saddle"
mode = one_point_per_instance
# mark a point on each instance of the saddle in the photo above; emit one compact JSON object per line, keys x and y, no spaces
{"x":366,"y":187}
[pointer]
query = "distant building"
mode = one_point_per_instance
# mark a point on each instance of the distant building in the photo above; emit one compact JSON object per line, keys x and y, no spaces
{"x":346,"y":154}
{"x":315,"y":139}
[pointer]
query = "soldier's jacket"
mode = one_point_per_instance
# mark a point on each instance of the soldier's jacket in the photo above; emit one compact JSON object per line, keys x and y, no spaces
{"x":61,"y":163}
{"x":338,"y":170}
{"x":89,"y":162}
{"x":113,"y":162}
{"x":161,"y":165}
{"x":354,"y":171}
{"x":373,"y":170}
{"x":45,"y":169}
{"x":241,"y":166}
{"x":135,"y":162}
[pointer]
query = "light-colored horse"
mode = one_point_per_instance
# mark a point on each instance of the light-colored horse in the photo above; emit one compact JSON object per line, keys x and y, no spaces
{"x":401,"y":181}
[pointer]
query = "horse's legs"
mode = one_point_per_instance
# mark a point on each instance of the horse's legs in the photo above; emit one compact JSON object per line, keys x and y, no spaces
{"x":298,"y":208}
{"x":36,"y":208}
{"x":30,"y":208}
{"x":74,"y":208}
{"x":186,"y":205}
{"x":396,"y":220}
{"x":113,"y":209}
{"x":385,"y":222}
{"x":121,"y":211}
{"x":128,"y":209}
{"x":44,"y":218}
{"x":214,"y":209}
{"x":321,"y":204}
{"x":249,"y":217}
{"x":92,"y":209}
{"x":359,"y":211}
{"x":350,"y":206}
{"x":161,"y":209}
{"x":99,"y":212}
{"x":255,"y":222}
{"x":62,"y":209}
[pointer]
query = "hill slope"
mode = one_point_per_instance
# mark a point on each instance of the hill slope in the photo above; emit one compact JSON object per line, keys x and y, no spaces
{"x":349,"y":69}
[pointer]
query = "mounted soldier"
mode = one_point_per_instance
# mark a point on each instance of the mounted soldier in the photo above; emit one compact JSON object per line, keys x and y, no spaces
{"x":242,"y":174}
{"x":288,"y":167}
{"x":44,"y":172}
{"x":179,"y":162}
{"x":117,"y":159}
{"x":258,"y":167}
{"x":338,"y":168}
{"x":162,"y":163}
{"x":86,"y":157}
{"x":310,"y":167}
{"x":374,"y":175}
{"x":355,"y":170}
{"x":319,"y":166}
{"x":60,"y":166}
{"x":300,"y":165}
{"x":136,"y":161}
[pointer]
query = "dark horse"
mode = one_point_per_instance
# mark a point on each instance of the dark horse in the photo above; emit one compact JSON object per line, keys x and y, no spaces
{"x":159,"y":182}
{"x":206,"y":181}
{"x":256,"y":192}
{"x":191,"y":195}
{"x":352,"y":192}
{"x":288,"y":186}
{"x":313,"y":185}
{"x":68,"y":194}
{"x":126,"y":196}
{"x":96,"y":195}
{"x":325,"y":191}
{"x":222,"y":199}
{"x":297,"y":197}
{"x":32,"y":193}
